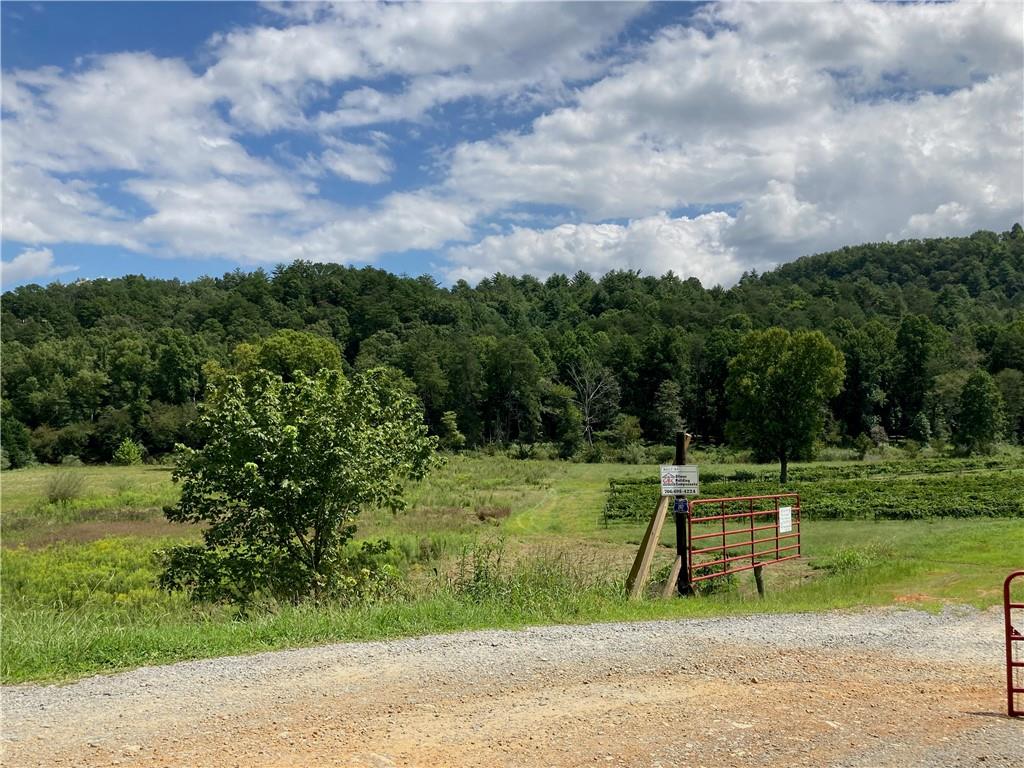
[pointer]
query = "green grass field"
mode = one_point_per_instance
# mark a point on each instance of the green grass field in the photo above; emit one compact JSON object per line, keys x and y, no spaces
{"x":486,"y":542}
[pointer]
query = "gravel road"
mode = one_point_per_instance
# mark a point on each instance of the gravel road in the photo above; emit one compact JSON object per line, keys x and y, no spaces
{"x":875,"y":688}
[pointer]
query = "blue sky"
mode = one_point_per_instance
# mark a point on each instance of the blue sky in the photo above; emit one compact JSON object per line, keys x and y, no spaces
{"x":181,"y":139}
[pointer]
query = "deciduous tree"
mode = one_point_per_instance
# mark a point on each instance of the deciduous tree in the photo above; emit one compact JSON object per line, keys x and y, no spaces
{"x":778,"y":387}
{"x":979,"y":418}
{"x":283,"y":471}
{"x":288,"y":352}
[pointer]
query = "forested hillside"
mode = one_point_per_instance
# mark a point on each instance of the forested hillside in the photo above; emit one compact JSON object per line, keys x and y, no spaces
{"x":581,"y":363}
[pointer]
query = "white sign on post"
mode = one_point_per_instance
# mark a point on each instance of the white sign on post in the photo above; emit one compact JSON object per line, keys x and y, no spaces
{"x":680,"y":480}
{"x":785,"y":519}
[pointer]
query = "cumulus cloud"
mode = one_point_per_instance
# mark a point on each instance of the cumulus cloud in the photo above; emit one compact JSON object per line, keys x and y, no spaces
{"x":178,"y":176}
{"x":40,"y":208}
{"x":692,"y":247}
{"x":823,"y":124}
{"x":359,"y":162}
{"x":31,"y":265}
{"x":130,"y":112}
{"x":442,"y":52}
{"x":813,"y":125}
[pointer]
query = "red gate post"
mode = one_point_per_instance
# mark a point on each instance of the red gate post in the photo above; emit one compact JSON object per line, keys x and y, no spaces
{"x":1013,"y":635}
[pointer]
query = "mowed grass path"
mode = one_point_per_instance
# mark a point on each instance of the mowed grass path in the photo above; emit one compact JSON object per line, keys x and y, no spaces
{"x":486,"y":542}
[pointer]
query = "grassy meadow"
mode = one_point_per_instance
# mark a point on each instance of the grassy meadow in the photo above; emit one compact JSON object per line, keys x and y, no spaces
{"x":489,"y":542}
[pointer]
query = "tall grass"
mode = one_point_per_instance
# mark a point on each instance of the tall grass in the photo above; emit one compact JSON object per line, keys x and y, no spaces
{"x":64,"y":487}
{"x":72,"y":609}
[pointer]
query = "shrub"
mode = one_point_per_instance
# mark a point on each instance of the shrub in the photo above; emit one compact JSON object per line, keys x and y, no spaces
{"x":849,"y":559}
{"x":662,"y":454}
{"x":128,"y":453}
{"x":546,"y":581}
{"x":451,"y":439}
{"x":862,"y":444}
{"x":480,"y":573}
{"x":366,"y":578}
{"x":878,"y":436}
{"x":921,"y":429}
{"x":50,"y":444}
{"x":522,"y":451}
{"x":634,"y":453}
{"x":64,"y":487}
{"x":15,"y":439}
{"x":492,"y":514}
{"x":593,"y":454}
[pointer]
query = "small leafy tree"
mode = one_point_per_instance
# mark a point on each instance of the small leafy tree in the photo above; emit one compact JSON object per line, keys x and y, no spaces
{"x":668,"y":412}
{"x":563,"y":419}
{"x":778,"y":387}
{"x":282,"y":473}
{"x":1011,"y":386}
{"x":128,"y":453}
{"x":979,"y":417}
{"x":451,"y":438}
{"x":921,"y":429}
{"x":15,"y":439}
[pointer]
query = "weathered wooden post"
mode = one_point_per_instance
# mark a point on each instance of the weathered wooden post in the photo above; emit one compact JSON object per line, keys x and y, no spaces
{"x":675,"y":480}
{"x":679,"y":577}
{"x":641,"y":570}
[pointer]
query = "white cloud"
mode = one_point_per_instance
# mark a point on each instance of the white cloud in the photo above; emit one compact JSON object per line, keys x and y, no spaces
{"x":129,"y":112}
{"x":790,"y":113}
{"x":358,"y":162}
{"x":778,"y":215}
{"x":31,"y":265}
{"x":176,"y":161}
{"x":689,"y":247}
{"x":442,"y":53}
{"x":39,"y":208}
{"x":875,"y":46}
{"x":817,"y":125}
{"x":185,"y":184}
{"x":949,"y":217}
{"x":276,"y":222}
{"x":402,"y":221}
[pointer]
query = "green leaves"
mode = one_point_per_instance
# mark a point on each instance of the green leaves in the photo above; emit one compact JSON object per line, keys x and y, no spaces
{"x":778,"y":386}
{"x":283,"y":471}
{"x":979,"y":419}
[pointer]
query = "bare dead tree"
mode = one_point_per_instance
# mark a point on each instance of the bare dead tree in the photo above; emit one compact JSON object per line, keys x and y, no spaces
{"x":597,"y":394}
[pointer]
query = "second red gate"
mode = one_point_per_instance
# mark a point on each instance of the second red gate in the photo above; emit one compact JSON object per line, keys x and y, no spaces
{"x":739,"y":534}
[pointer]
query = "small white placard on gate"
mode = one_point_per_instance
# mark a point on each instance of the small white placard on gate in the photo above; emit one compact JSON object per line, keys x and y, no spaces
{"x":680,"y":480}
{"x":785,"y":519}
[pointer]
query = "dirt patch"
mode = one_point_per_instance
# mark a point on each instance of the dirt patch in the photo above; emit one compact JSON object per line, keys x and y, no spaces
{"x":813,"y":690}
{"x":91,"y":530}
{"x":492,"y":514}
{"x":916,"y":597}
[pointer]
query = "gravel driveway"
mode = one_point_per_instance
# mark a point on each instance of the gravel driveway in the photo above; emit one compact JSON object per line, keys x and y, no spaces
{"x":875,"y":688}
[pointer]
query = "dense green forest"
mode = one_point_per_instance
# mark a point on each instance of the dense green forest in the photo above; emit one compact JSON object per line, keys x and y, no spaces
{"x":588,"y":367}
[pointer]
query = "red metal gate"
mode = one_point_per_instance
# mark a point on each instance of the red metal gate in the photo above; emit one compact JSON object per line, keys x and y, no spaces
{"x":1014,"y":638}
{"x":769,"y":525}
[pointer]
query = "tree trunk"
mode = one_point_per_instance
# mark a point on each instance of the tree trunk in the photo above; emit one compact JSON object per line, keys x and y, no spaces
{"x":783,"y":467}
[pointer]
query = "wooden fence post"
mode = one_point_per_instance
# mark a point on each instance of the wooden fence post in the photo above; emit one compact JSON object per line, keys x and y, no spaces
{"x":641,"y":570}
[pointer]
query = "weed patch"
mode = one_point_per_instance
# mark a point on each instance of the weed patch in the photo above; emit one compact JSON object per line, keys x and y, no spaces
{"x":64,"y":487}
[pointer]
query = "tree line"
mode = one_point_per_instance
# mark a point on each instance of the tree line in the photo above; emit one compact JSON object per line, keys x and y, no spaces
{"x":587,"y":367}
